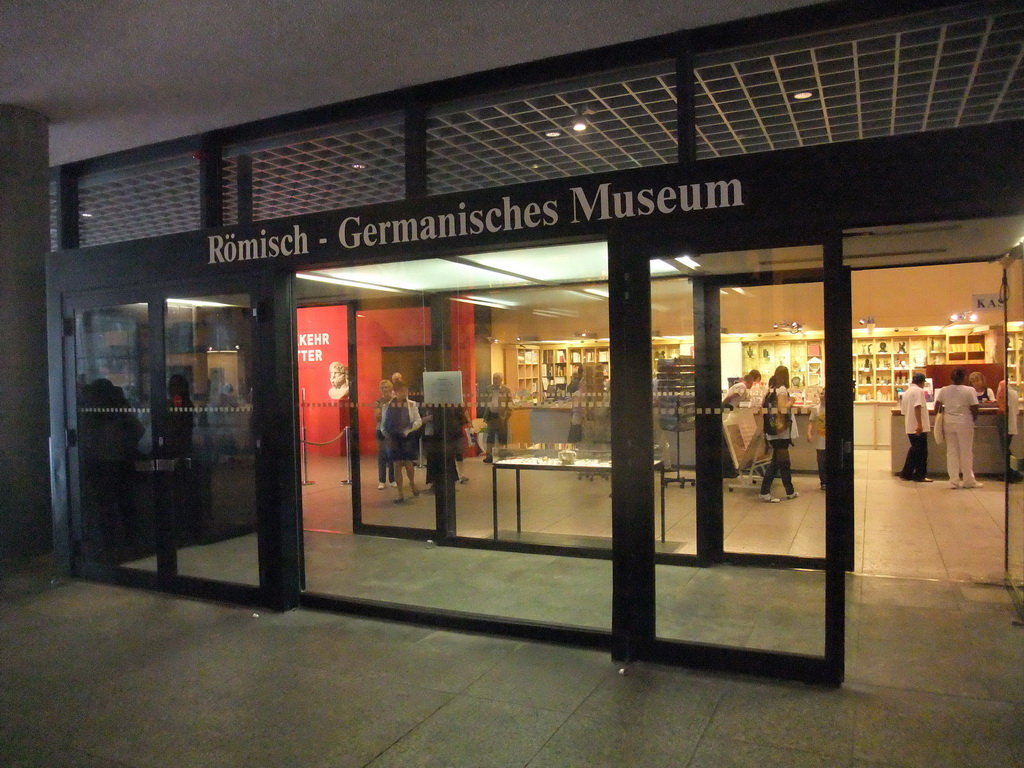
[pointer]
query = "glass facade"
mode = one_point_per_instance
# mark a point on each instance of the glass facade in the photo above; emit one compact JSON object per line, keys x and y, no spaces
{"x":466,"y":379}
{"x":759,"y":354}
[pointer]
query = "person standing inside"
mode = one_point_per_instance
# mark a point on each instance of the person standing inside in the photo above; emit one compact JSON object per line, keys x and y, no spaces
{"x":385,"y":466}
{"x":400,"y":419}
{"x":985,"y":394}
{"x":740,"y":391}
{"x":959,"y":404}
{"x":816,"y":436}
{"x":496,"y":414}
{"x":1008,"y":401}
{"x":914,"y":405}
{"x":778,"y":429}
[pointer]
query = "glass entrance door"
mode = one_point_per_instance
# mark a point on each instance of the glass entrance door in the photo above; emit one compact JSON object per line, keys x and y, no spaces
{"x":163,"y":460}
{"x":750,"y":337}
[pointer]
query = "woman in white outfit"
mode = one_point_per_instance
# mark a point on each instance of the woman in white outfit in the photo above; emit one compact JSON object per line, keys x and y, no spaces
{"x":959,"y":403}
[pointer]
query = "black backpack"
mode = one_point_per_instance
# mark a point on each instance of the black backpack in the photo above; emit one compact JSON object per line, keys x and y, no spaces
{"x":775,"y":422}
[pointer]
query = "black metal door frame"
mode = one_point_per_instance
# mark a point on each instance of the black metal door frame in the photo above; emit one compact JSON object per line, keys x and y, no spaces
{"x":634,"y":591}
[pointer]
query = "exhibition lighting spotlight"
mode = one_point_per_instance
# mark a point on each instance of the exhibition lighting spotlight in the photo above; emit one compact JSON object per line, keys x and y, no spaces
{"x":792,"y":327}
{"x":349,"y":283}
{"x":960,"y":317}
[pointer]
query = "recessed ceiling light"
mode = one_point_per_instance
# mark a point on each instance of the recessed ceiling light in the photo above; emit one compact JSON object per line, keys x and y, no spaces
{"x":801,"y":95}
{"x":554,"y":133}
{"x":358,"y":166}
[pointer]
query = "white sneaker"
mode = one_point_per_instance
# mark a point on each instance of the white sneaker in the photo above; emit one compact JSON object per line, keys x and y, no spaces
{"x":463,"y":479}
{"x":381,"y":486}
{"x":972,"y":485}
{"x":767,"y":498}
{"x":955,"y":485}
{"x":393,"y":484}
{"x":792,"y":495}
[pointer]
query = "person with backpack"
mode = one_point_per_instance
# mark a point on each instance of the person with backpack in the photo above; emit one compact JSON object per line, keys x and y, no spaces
{"x":778,"y":430}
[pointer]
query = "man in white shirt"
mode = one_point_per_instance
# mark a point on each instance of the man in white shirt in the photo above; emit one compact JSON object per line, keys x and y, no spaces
{"x":915,"y":414}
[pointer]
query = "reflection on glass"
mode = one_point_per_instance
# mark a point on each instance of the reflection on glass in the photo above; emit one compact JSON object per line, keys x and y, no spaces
{"x":116,"y":522}
{"x":769,"y":341}
{"x":1010,"y":406}
{"x":208,"y":437}
{"x":493,"y":362}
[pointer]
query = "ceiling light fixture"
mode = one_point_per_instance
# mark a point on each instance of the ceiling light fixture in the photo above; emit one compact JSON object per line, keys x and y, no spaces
{"x":349,"y":283}
{"x":581,"y":120}
{"x":358,"y":166}
{"x":802,"y":95}
{"x":552,"y":133}
{"x":195,"y":303}
{"x":791,"y":326}
{"x":687,"y":261}
{"x":480,"y":303}
{"x":959,"y":317}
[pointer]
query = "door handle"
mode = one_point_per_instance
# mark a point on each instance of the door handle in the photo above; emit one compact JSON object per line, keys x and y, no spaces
{"x":161,"y":465}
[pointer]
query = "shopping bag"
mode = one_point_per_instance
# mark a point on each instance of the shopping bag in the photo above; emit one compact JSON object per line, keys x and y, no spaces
{"x":937,"y":432}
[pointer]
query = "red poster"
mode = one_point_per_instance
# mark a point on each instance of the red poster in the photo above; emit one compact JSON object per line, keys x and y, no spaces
{"x":324,"y":378}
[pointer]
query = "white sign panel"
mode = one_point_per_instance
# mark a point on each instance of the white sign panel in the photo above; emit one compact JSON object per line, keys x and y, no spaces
{"x":442,"y":388}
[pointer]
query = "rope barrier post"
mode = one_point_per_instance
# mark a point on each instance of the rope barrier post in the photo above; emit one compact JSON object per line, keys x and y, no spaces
{"x":348,"y":457}
{"x":305,"y":458}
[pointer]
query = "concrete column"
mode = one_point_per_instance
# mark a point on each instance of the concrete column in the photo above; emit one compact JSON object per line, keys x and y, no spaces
{"x":26,"y":526}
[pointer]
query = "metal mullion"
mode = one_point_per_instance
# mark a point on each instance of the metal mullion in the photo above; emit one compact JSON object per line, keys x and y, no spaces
{"x":821,"y":94}
{"x":895,"y":83}
{"x":935,"y":77}
{"x":753,"y":109}
{"x":1006,"y":85}
{"x":652,"y":115}
{"x":974,"y":71}
{"x":523,"y":125}
{"x":785,"y":100}
{"x":700,"y":134}
{"x":718,"y":109}
{"x":857,"y":90}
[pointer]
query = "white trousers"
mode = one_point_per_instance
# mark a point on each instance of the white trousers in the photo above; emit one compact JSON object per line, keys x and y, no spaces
{"x":960,"y":451}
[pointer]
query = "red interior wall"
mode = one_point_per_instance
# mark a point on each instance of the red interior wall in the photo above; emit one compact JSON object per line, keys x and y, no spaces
{"x":323,"y":417}
{"x":408,"y":327}
{"x":377,"y":328}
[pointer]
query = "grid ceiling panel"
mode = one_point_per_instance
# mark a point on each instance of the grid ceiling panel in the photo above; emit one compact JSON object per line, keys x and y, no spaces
{"x":632,"y":123}
{"x":334,"y":168}
{"x":144,"y":201}
{"x":915,"y":76}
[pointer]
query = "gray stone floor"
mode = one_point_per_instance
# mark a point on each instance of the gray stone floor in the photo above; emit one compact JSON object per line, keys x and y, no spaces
{"x":104,"y":677}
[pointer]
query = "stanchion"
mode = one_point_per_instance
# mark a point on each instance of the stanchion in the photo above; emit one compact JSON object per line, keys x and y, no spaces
{"x":348,"y":456}
{"x":302,"y":431}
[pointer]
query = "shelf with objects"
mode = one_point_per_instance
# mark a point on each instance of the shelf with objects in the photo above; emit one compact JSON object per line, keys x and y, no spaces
{"x":675,"y":406}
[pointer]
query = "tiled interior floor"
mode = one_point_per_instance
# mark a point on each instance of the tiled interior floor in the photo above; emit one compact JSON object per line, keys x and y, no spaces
{"x":99,"y":676}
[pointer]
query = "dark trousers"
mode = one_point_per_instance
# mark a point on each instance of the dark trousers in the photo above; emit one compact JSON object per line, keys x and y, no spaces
{"x":385,"y":466}
{"x":916,"y":465}
{"x":779,"y":467}
{"x":821,"y":467}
